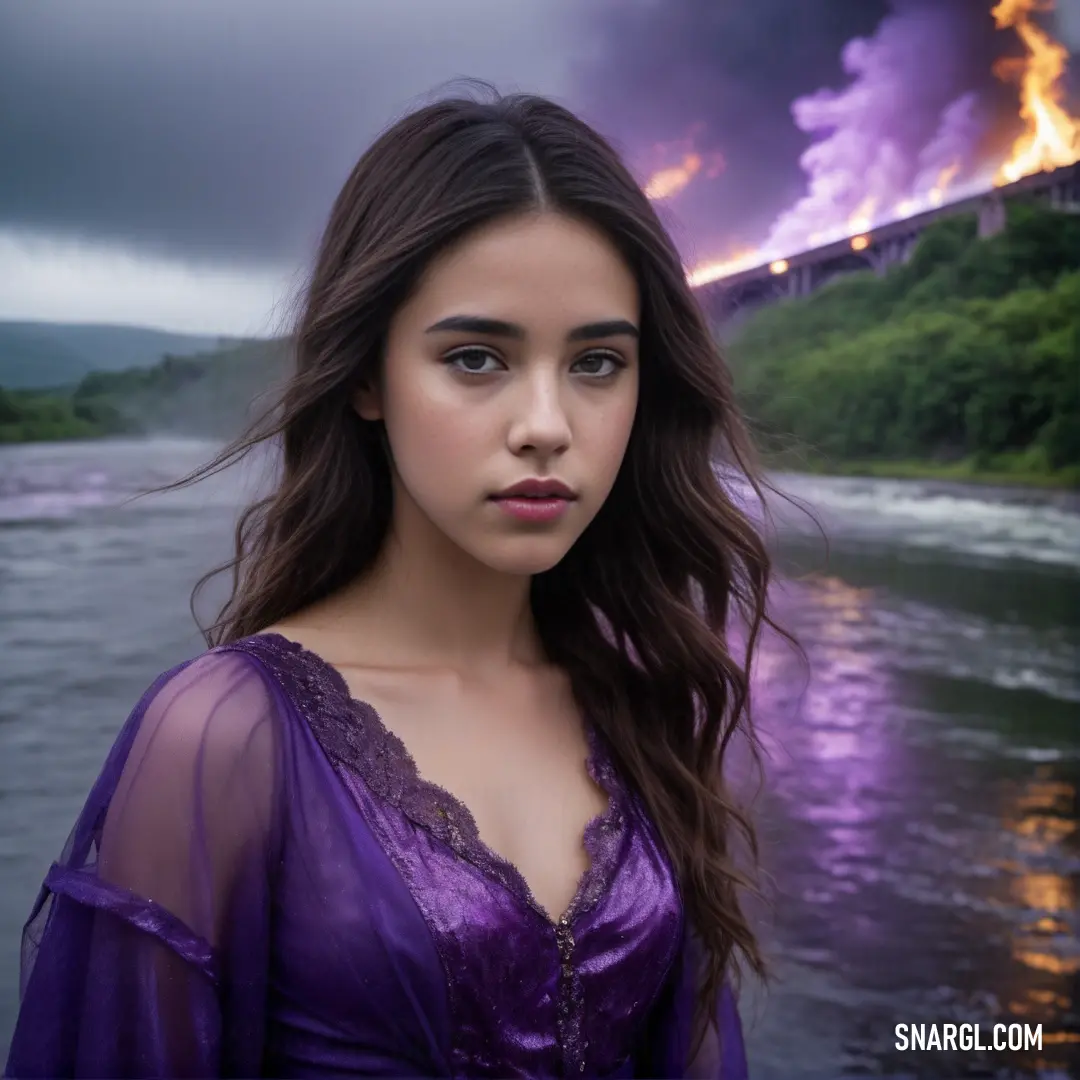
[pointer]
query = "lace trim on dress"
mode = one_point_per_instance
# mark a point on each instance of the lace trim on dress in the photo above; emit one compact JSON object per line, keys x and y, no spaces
{"x":353,"y":734}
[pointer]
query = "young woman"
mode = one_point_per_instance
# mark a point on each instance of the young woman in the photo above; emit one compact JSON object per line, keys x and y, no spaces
{"x":444,"y":796}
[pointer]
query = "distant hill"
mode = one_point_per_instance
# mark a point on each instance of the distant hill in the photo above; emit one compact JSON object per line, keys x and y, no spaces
{"x":210,"y":394}
{"x":41,"y":355}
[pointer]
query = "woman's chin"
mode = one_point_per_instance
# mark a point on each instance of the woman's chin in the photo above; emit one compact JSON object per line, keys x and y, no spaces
{"x":524,"y":557}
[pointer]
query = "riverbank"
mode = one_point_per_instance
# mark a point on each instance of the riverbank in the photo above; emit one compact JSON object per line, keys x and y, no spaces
{"x":57,"y":415}
{"x":65,"y":430}
{"x":1005,"y":472}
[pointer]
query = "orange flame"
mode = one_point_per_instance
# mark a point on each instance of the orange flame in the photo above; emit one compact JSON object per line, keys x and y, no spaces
{"x":945,"y":178}
{"x":670,"y":181}
{"x":1051,"y":140}
{"x":721,"y":268}
{"x":863,"y":216}
{"x":1051,"y":137}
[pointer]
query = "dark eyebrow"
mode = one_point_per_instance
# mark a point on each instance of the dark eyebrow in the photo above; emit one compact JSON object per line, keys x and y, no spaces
{"x":611,"y":328}
{"x":476,"y":324}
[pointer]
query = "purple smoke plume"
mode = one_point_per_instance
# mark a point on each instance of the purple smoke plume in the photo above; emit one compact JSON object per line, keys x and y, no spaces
{"x":887,"y":137}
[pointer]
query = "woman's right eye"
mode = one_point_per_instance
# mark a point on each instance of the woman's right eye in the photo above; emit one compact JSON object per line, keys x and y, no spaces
{"x":475,"y":361}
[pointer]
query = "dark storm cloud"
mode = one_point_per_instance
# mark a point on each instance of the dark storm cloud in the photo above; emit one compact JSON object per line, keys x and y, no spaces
{"x":222,"y":130}
{"x":730,"y":71}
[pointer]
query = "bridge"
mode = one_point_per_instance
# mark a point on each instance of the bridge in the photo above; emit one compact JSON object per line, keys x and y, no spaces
{"x":886,"y":245}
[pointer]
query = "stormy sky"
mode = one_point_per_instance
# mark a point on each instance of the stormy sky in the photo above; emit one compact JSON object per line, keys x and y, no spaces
{"x":170,"y":163}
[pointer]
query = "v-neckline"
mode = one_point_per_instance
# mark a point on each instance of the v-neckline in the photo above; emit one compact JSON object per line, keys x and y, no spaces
{"x":353,"y":733}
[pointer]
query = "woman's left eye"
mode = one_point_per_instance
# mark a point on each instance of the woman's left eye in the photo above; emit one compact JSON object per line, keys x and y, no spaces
{"x":599,"y":364}
{"x":474,"y":361}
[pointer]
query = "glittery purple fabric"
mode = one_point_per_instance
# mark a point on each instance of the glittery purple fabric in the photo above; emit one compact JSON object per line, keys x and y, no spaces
{"x":260,"y":884}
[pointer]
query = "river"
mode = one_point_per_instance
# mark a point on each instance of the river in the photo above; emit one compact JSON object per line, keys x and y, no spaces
{"x":921,"y":811}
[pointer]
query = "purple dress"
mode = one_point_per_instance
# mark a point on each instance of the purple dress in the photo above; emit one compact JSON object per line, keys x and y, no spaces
{"x":261,"y":884}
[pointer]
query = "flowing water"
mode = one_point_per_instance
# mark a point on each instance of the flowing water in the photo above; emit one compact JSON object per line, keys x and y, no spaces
{"x":920,"y":818}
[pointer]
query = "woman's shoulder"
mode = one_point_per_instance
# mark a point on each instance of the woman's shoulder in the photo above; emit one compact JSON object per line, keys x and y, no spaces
{"x":233,"y":706}
{"x":254,"y":675}
{"x":275,"y":674}
{"x":230,"y":697}
{"x":222,"y":705}
{"x":288,"y":658}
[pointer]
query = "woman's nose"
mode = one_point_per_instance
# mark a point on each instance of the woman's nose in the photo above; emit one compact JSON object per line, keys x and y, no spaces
{"x":540,"y":423}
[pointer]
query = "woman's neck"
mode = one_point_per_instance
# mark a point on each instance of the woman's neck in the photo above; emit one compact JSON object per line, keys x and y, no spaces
{"x":428,"y":600}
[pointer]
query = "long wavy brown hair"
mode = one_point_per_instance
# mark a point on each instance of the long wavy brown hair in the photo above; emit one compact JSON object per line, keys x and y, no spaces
{"x":640,"y":612}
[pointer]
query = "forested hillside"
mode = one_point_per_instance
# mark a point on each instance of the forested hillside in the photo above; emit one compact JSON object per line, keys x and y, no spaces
{"x":963,"y":361}
{"x":209,"y":395}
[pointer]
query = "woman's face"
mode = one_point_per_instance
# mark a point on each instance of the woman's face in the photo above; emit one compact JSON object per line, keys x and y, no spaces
{"x":515,"y":360}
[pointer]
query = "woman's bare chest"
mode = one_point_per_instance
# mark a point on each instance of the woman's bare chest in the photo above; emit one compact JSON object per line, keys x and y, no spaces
{"x":514,"y":757}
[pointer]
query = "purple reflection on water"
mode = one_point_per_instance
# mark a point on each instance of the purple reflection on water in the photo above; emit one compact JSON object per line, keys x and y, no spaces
{"x":912,"y":862}
{"x":835,"y":761}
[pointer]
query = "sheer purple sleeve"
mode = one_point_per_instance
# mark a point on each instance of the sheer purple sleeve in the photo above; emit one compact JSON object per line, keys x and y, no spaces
{"x":722,"y":1055}
{"x":147,"y":951}
{"x":668,"y":1042}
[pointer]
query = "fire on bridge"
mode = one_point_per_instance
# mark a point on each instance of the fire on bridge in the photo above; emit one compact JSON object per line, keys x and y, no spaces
{"x":1043,"y":164}
{"x":745,"y":290}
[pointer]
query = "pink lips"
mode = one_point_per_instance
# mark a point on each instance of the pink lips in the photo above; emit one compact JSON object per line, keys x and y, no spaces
{"x":535,"y":500}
